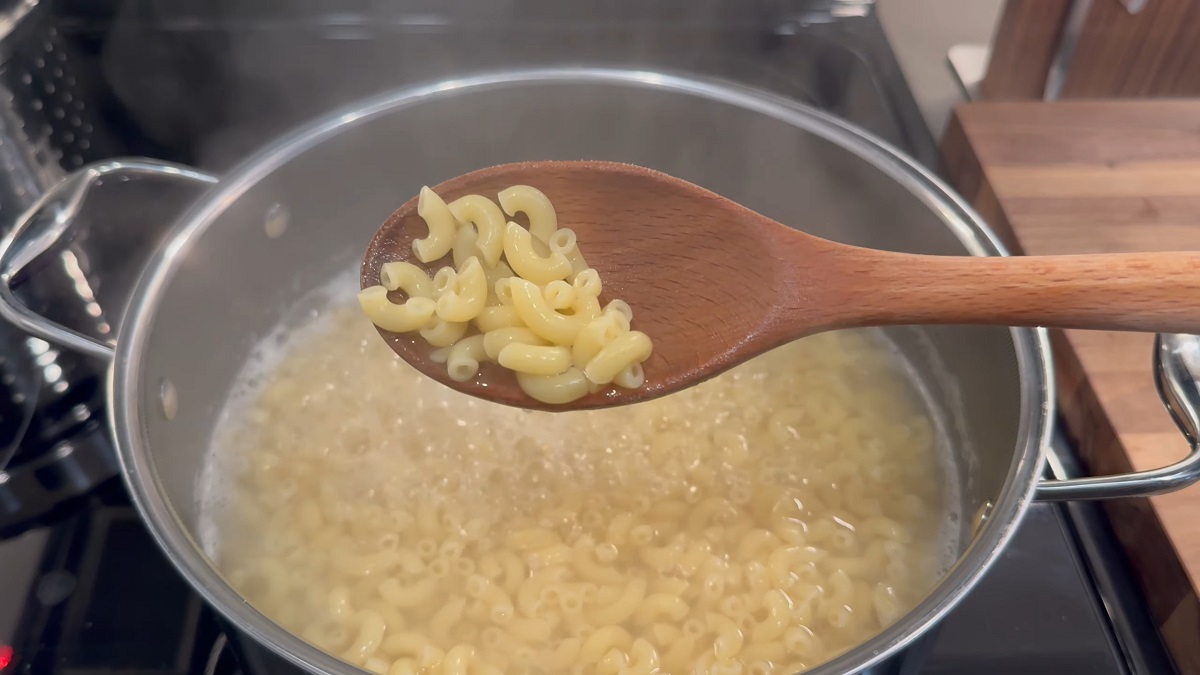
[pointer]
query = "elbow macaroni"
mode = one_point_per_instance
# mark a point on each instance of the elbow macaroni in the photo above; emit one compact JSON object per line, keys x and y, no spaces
{"x":702,"y":532}
{"x":442,"y":227}
{"x":528,"y":293}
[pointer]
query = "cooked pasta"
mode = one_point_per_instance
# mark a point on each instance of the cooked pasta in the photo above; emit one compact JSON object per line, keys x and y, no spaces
{"x":503,"y":278}
{"x":702,"y":532}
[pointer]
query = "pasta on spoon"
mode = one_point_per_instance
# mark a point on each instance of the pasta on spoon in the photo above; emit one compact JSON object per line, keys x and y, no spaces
{"x":716,"y":284}
{"x":523,"y":300}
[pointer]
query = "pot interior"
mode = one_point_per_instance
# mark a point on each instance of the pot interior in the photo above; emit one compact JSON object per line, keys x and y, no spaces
{"x":302,"y":213}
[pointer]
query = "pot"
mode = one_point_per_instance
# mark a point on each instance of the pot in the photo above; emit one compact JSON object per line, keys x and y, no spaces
{"x":301,"y":210}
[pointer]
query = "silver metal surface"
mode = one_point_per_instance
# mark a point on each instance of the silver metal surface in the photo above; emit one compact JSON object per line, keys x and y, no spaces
{"x":48,"y":220}
{"x":222,"y":280}
{"x":194,"y":323}
{"x":1056,"y":77}
{"x":1177,"y":376}
{"x":12,"y":13}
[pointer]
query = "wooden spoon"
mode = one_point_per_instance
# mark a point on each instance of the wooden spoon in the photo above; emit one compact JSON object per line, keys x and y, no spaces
{"x":714,"y":283}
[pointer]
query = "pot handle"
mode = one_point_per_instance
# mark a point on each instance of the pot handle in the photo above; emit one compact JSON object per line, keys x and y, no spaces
{"x":41,"y":227}
{"x":1177,"y":377}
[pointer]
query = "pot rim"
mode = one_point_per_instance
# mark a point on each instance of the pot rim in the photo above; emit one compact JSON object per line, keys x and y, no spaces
{"x":125,"y":398}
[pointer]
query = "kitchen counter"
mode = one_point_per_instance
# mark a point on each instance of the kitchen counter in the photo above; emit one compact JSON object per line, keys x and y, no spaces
{"x":1096,"y":177}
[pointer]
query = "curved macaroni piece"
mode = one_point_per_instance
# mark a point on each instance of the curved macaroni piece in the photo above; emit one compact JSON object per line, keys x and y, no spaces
{"x":559,"y":295}
{"x":601,"y":641}
{"x":465,"y":299}
{"x":418,"y":593}
{"x":631,"y":376}
{"x":623,"y":607}
{"x":557,"y":554}
{"x":442,"y":333}
{"x":446,"y":617}
{"x":534,"y":359}
{"x":660,"y":607}
{"x":370,"y":634}
{"x":458,"y":659}
{"x":494,"y":275}
{"x":564,"y":242}
{"x":444,"y":281}
{"x":887,"y":605}
{"x":532,"y":539}
{"x":729,"y":636}
{"x":415,"y":314}
{"x":586,"y":308}
{"x":502,"y":289}
{"x":495,"y":340}
{"x":543,"y":221}
{"x":764,"y":651}
{"x":500,"y":605}
{"x":681,"y":655}
{"x":413,"y":645}
{"x":620,"y":307}
{"x":800,"y":641}
{"x":627,"y":349}
{"x":529,"y":596}
{"x":756,"y":544}
{"x":488,"y":220}
{"x":407,"y":277}
{"x":565,"y":387}
{"x":464,"y":357}
{"x":347,"y":562}
{"x":515,"y":572}
{"x":778,"y":616}
{"x":594,"y":336}
{"x":533,"y":311}
{"x":442,"y":227}
{"x":613,"y":662}
{"x":531,"y":631}
{"x":525,"y":261}
{"x":404,"y":667}
{"x":464,"y":245}
{"x":565,"y":654}
{"x":726,"y":667}
{"x":587,"y":283}
{"x":501,"y":316}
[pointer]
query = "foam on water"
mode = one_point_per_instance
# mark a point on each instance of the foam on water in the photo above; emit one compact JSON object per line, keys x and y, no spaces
{"x":295,"y":330}
{"x":950,"y":533}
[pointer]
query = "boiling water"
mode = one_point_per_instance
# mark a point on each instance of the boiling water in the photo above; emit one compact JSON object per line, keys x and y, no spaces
{"x":761,"y":522}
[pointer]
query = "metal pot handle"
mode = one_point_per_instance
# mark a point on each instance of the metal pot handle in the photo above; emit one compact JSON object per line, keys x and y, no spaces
{"x":1177,"y":376}
{"x":47,"y":221}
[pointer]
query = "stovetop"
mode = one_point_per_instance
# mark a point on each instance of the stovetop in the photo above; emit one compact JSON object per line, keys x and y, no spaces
{"x":94,"y":595}
{"x":91,"y":593}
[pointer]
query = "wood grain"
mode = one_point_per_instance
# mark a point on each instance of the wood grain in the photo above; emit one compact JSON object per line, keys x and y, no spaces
{"x":660,"y":244}
{"x":715,"y":284}
{"x":1023,"y":47}
{"x":1100,"y":177}
{"x":1153,"y":53}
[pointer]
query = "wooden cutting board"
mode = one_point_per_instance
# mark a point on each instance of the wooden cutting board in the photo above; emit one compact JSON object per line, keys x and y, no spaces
{"x":1093,"y":177}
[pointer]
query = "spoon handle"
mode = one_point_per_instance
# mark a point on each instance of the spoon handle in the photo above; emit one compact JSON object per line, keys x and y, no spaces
{"x":1151,"y":292}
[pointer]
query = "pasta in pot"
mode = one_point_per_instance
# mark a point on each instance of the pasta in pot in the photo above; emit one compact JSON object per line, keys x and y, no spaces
{"x":761,"y":522}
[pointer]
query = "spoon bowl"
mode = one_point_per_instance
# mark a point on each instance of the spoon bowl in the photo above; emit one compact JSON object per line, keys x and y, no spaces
{"x":714,"y":283}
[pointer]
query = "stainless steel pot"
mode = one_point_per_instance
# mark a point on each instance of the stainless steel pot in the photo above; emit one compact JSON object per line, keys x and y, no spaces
{"x":301,"y":210}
